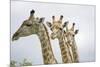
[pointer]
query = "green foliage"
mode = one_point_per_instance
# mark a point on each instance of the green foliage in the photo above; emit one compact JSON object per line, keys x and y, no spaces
{"x":26,"y":63}
{"x":13,"y":63}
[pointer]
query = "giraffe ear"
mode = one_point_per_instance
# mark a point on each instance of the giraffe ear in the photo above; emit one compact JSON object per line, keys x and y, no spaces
{"x":76,"y":31}
{"x":41,"y":20}
{"x":65,"y":23}
{"x":48,"y":24}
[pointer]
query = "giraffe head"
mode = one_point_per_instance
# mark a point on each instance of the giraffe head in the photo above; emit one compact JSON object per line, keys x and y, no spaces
{"x":70,"y":33}
{"x":56,"y":27}
{"x":28,"y":27}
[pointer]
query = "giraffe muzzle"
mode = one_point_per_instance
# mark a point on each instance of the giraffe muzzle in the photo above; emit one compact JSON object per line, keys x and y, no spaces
{"x":15,"y":37}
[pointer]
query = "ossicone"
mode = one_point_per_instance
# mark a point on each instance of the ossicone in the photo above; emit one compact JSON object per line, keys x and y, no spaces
{"x":32,"y":11}
{"x":61,"y":17}
{"x":41,"y":19}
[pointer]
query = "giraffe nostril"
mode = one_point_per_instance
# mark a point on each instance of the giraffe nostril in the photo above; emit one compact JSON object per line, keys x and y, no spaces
{"x":16,"y":34}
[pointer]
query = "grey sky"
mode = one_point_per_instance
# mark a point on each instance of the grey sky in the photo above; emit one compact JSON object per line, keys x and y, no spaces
{"x":30,"y":48}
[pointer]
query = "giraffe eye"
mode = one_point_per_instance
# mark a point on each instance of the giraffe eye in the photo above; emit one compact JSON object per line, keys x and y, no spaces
{"x":28,"y":24}
{"x":51,"y":28}
{"x":73,"y":35}
{"x":60,"y":28}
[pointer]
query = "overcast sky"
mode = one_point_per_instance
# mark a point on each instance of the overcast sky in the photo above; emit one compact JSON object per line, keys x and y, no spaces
{"x":29,"y":47}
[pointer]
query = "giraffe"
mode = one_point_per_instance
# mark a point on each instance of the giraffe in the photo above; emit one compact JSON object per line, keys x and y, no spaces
{"x":35,"y":25}
{"x":58,"y":32}
{"x":70,"y":36}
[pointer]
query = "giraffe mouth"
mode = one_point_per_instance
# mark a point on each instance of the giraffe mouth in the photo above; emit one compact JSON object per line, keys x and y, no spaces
{"x":53,"y":36}
{"x":15,"y":37}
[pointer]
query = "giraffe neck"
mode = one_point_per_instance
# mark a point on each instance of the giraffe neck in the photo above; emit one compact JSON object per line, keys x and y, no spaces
{"x":64,"y":51}
{"x":47,"y":52}
{"x":74,"y":51}
{"x":68,"y":46}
